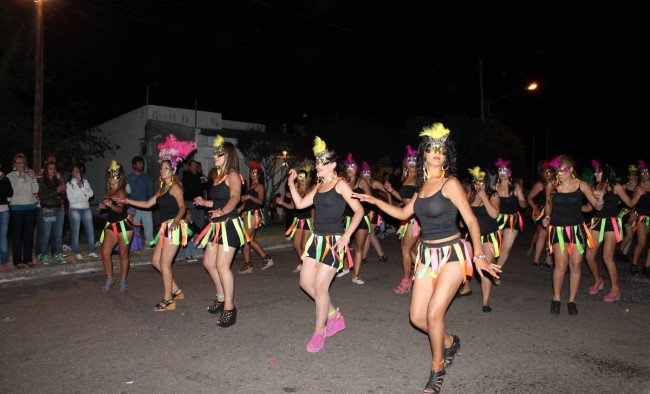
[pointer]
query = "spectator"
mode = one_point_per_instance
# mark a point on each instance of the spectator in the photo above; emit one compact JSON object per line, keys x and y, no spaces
{"x":193,"y":186}
{"x":50,"y":221}
{"x":141,"y":187}
{"x":79,"y":192}
{"x":6,"y":192}
{"x":22,"y":212}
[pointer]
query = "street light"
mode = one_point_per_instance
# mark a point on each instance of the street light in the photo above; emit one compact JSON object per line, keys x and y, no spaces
{"x":530,"y":88}
{"x":38,"y":91}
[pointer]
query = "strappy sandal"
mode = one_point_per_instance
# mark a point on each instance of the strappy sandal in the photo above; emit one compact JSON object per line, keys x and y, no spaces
{"x":108,"y":285}
{"x":268,"y":262}
{"x":434,"y":385}
{"x":178,"y":295}
{"x":123,"y":288}
{"x":452,"y":351}
{"x":247,"y":268}
{"x":228,"y":318}
{"x":165,"y":305}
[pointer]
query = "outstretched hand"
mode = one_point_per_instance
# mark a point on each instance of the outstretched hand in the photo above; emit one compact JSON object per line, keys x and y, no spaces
{"x":492,"y":269}
{"x":365,"y":198}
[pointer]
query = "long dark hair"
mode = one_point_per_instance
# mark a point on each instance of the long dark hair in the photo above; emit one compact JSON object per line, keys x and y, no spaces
{"x":450,"y":160}
{"x":609,"y":176}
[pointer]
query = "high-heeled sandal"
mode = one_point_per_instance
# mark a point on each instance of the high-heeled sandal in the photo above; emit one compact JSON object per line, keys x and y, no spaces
{"x":404,"y":286}
{"x":434,"y":385}
{"x":247,"y":268}
{"x":452,"y":351}
{"x":178,"y":295}
{"x":268,"y":262}
{"x":165,"y":305}
{"x":317,"y":341}
{"x":228,"y":318}
{"x":123,"y":288}
{"x":108,"y":285}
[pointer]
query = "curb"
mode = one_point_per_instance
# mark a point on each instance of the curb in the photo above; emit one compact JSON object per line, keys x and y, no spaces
{"x":55,"y":270}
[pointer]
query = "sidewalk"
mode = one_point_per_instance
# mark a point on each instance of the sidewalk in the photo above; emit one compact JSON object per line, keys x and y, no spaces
{"x":272,"y":240}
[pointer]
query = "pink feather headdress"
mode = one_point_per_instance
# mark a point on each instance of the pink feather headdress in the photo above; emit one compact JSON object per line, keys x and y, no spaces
{"x":543,"y":165}
{"x":365,"y":166}
{"x":349,"y":160}
{"x":596,"y":165}
{"x":410,"y":152}
{"x":502,"y":164}
{"x":175,"y":151}
{"x":555,"y":162}
{"x":641,"y":165}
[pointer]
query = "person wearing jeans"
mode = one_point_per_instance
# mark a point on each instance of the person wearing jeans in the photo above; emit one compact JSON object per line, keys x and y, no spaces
{"x":50,"y":222}
{"x":140,"y":187}
{"x":79,"y":192}
{"x":23,"y":212}
{"x":6,"y":191}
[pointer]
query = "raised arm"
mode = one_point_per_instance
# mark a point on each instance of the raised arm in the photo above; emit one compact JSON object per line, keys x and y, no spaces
{"x":298,"y":201}
{"x":400,"y":213}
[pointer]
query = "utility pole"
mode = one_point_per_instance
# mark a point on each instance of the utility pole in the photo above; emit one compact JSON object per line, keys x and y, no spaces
{"x":38,"y":94}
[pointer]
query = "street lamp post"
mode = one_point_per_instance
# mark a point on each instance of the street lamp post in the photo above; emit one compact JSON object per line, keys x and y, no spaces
{"x":530,"y":88}
{"x":38,"y":93}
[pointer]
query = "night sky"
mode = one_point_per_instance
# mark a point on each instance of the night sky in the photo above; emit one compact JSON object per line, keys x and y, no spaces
{"x":273,"y":61}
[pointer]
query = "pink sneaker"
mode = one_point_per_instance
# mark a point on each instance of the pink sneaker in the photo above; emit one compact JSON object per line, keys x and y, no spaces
{"x":316,"y":343}
{"x":611,"y":297}
{"x":404,"y":286}
{"x":334,"y":324}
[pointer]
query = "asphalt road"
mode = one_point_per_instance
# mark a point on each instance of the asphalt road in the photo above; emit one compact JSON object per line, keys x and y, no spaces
{"x":60,"y":334}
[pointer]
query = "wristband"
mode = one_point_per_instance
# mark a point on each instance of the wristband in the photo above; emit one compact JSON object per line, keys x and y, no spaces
{"x":478,"y":256}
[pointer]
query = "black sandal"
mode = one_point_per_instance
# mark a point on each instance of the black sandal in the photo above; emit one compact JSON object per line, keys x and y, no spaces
{"x":178,"y":295}
{"x":434,"y":385}
{"x":452,"y":351}
{"x":165,"y":305}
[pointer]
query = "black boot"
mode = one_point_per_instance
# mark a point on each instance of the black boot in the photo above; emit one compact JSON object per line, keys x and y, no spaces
{"x":228,"y":318}
{"x":634,"y":269}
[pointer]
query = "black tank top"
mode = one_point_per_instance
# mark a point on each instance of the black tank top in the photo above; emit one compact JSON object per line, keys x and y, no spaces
{"x":486,"y":222}
{"x":509,"y":205}
{"x":220,"y":194}
{"x":567,"y":208}
{"x":167,"y":205}
{"x":114,"y":217}
{"x":407,"y":191}
{"x":610,"y":206}
{"x":348,"y":209}
{"x":437,"y":215}
{"x":329,"y":207}
{"x":540,"y":199}
{"x":249,"y":205}
{"x":643,"y":206}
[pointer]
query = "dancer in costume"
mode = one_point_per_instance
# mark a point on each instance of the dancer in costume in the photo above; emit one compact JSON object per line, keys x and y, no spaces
{"x":119,"y":226}
{"x":568,"y":235}
{"x":485,"y":206}
{"x":443,"y":261}
{"x":301,"y":229}
{"x":358,"y":185}
{"x":409,"y":231}
{"x":643,"y":221}
{"x":537,"y":200}
{"x":173,"y":232}
{"x":378,"y":190}
{"x":512,"y":199}
{"x":252,"y":214}
{"x":607,"y":228}
{"x":329,"y":245}
{"x":225,"y":233}
{"x":629,"y":216}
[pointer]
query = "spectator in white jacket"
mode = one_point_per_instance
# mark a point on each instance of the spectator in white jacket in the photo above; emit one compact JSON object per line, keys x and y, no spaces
{"x":79,"y":193}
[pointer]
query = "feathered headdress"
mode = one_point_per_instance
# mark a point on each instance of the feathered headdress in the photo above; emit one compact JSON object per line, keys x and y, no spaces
{"x":437,"y":135}
{"x":218,"y":145}
{"x":323,"y":155}
{"x":114,"y":169}
{"x":411,"y":155}
{"x":642,"y":166}
{"x":174,"y":150}
{"x":543,"y":165}
{"x":596,"y":165}
{"x":632,"y":168}
{"x":365,"y":169}
{"x":555,"y":162}
{"x":478,"y":176}
{"x":255,"y":166}
{"x":502,"y":164}
{"x":349,"y":163}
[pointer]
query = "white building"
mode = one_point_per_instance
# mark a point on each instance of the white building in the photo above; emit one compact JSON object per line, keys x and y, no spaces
{"x":137,"y":133}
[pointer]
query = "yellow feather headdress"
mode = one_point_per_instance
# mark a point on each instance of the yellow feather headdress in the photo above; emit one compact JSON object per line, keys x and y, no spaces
{"x":218,"y":145}
{"x":319,"y":146}
{"x":436,"y":131}
{"x":114,"y":169}
{"x":323,"y":155}
{"x":476,"y":173}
